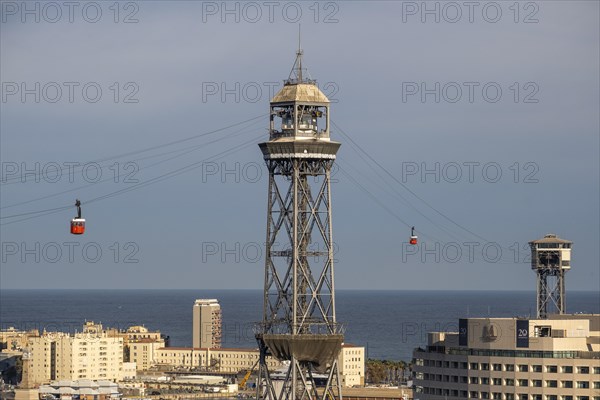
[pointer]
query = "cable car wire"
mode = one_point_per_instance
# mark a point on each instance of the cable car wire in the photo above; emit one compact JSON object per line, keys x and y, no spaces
{"x":406,"y":187}
{"x":182,"y":152}
{"x":373,"y":160}
{"x":151,"y":181}
{"x":16,"y":179}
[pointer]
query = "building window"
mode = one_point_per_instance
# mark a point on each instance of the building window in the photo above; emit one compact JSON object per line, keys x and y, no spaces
{"x":551,"y":384}
{"x":497,"y":367}
{"x":523,"y":382}
{"x":597,"y":370}
{"x":536,"y":368}
{"x":523,"y":368}
{"x":552,"y":369}
{"x":509,"y":367}
{"x":474,"y":366}
{"x":567,"y":384}
{"x":536,"y":383}
{"x":583,"y":370}
{"x":583,"y":385}
{"x":567,"y":369}
{"x":509,"y":382}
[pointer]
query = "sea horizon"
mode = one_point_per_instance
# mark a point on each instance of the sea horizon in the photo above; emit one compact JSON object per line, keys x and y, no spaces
{"x":389,"y":323}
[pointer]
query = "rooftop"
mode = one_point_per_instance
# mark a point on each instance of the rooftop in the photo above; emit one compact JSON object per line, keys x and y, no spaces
{"x":300,"y":92}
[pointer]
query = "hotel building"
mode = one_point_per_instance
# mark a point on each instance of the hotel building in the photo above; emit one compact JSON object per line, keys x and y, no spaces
{"x":512,"y":359}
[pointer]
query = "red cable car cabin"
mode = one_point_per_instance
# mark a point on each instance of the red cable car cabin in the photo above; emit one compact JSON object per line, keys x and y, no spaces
{"x":413,"y":237}
{"x":78,"y":223}
{"x":77,"y":226}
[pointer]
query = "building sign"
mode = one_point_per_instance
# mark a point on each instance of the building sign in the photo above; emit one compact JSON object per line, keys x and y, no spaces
{"x":463,"y":332}
{"x":523,"y":333}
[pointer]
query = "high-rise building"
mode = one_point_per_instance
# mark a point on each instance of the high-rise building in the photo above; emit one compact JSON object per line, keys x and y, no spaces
{"x":557,"y":358}
{"x":206,"y":324}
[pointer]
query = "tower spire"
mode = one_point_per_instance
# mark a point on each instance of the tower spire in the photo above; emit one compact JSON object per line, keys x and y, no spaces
{"x":297,"y":72}
{"x":299,"y":53}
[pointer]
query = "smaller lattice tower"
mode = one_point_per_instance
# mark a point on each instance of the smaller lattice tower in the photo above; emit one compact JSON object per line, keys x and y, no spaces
{"x":550,"y":259}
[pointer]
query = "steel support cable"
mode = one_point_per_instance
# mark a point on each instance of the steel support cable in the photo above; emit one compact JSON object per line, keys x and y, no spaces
{"x":392,"y":213}
{"x":395,"y":194}
{"x":406,"y":187}
{"x":410,"y":191}
{"x":182,"y":152}
{"x":100,"y":160}
{"x":157,"y":179}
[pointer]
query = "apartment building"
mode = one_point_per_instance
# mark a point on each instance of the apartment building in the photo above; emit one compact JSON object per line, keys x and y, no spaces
{"x":93,"y":354}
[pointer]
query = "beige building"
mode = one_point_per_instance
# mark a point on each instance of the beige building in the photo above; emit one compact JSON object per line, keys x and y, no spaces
{"x":13,"y":339}
{"x":94,"y":354}
{"x":206,"y":324}
{"x":512,"y":359}
{"x":139,"y":332}
{"x":141,"y":346}
{"x":351,"y":362}
{"x":220,"y":360}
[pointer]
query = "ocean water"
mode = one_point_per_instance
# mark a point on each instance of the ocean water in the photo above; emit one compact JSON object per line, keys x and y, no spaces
{"x":388,"y":323}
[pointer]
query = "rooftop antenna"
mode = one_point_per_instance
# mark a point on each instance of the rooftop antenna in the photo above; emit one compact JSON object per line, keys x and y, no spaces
{"x":299,"y":53}
{"x":297,"y":69}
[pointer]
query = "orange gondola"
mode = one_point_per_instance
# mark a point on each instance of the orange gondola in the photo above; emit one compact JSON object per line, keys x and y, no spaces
{"x":78,"y":223}
{"x":413,"y":237}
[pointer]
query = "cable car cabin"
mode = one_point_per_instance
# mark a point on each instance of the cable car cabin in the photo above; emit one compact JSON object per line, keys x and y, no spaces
{"x":78,"y":223}
{"x":413,"y":237}
{"x":77,"y":226}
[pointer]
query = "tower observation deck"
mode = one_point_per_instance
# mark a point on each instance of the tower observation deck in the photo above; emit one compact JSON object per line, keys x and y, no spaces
{"x":299,"y":323}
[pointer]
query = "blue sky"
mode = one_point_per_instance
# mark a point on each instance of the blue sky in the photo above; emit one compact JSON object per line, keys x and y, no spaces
{"x":488,"y":114}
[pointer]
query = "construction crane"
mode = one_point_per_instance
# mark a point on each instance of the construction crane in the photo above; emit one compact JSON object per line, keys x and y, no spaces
{"x":242,"y":384}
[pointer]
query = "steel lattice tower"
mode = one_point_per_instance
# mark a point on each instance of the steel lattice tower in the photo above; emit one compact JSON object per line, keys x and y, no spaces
{"x":550,"y":258}
{"x":299,"y":323}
